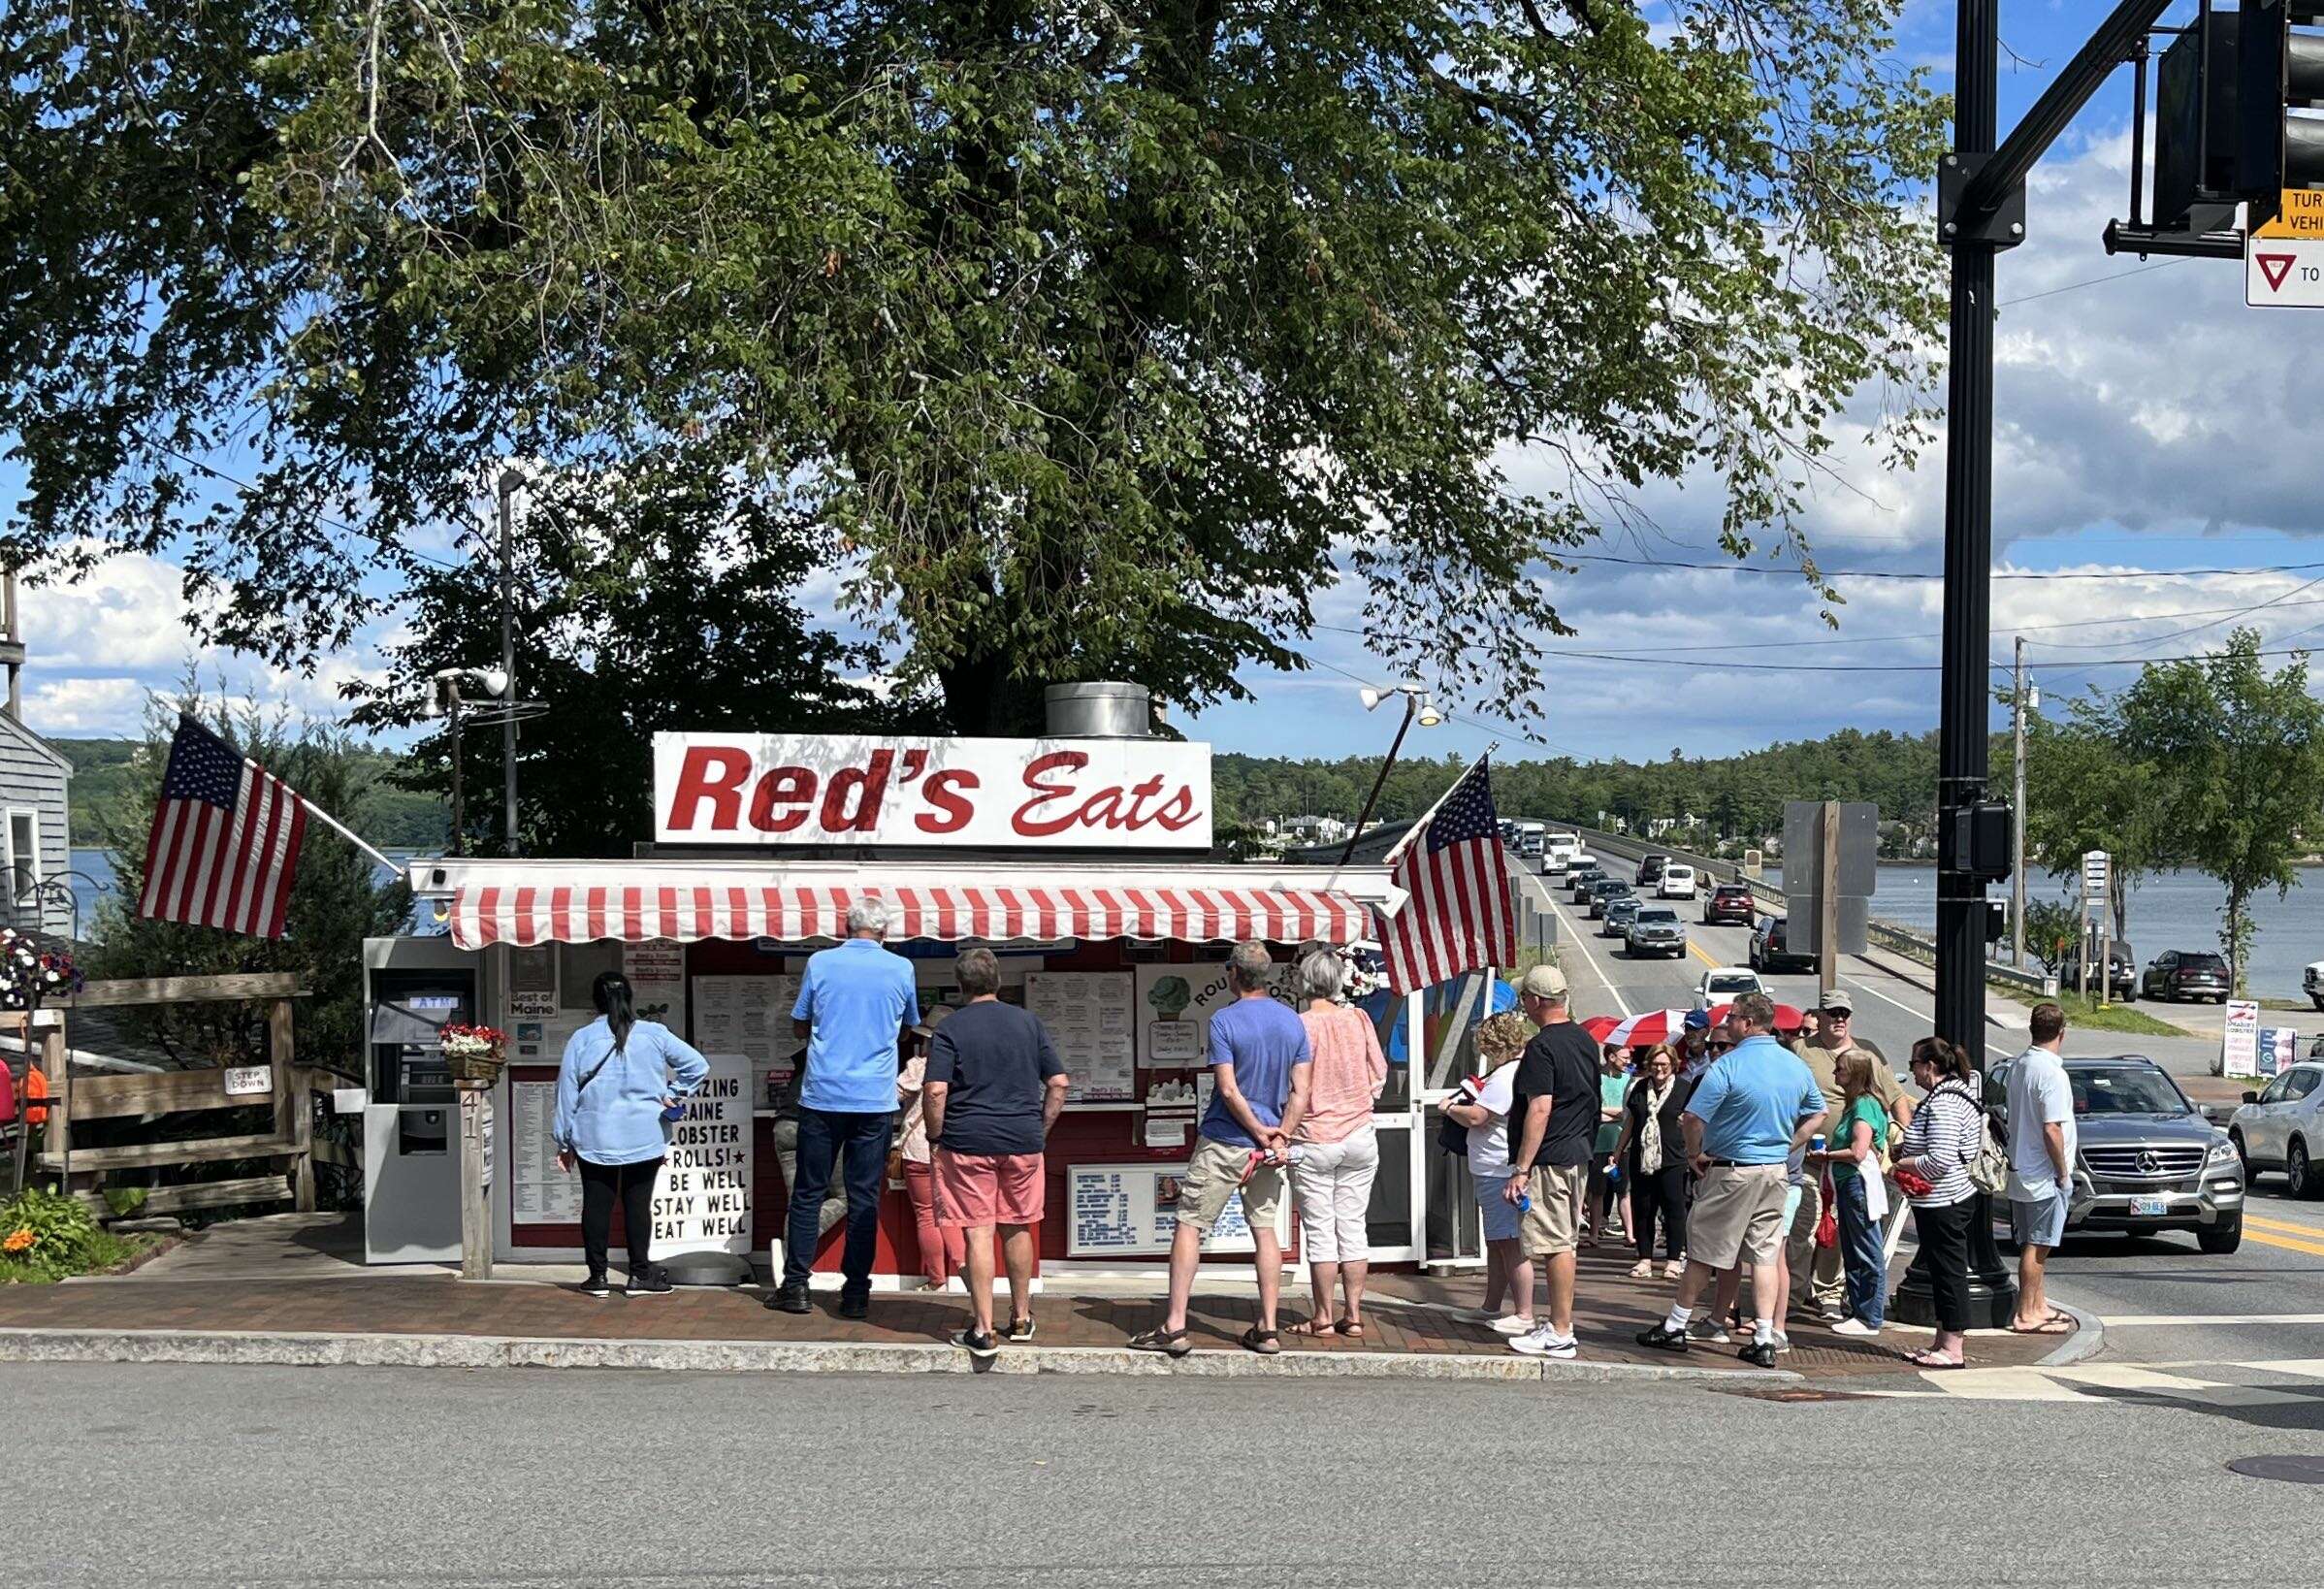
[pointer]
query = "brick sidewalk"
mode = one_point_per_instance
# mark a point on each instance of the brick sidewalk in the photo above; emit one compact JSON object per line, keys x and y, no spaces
{"x":1413,"y":1316}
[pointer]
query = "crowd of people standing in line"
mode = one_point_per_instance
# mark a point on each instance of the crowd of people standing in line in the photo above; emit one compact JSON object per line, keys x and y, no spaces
{"x":1744,"y":1151}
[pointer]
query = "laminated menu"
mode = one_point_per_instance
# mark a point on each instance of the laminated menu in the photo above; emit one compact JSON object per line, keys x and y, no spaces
{"x":1092,"y":1024}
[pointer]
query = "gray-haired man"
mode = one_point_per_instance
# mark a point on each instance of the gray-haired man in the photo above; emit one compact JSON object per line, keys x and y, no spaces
{"x":853,"y":1005}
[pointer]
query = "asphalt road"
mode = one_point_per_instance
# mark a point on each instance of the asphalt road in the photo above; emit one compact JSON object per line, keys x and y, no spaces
{"x":146,"y":1474}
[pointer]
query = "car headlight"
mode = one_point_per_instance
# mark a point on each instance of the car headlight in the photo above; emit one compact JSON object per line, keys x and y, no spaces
{"x":2222,"y":1152}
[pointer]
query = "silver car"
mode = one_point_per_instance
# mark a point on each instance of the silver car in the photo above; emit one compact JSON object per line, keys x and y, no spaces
{"x":2146,"y":1159}
{"x":1655,"y":930}
{"x":2282,"y":1128}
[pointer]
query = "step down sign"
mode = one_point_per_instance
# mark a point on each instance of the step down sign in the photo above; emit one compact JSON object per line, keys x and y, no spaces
{"x":2284,"y":259}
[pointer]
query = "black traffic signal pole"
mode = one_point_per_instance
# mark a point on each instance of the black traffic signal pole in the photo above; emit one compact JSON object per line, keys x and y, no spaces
{"x":1981,"y":210}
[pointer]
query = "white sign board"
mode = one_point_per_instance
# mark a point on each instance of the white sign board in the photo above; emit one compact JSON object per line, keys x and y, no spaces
{"x":2096,"y":869}
{"x":1131,"y":1211}
{"x":539,"y":1194}
{"x":1175,"y":1006}
{"x":1090,"y":1020}
{"x":2238,"y":1055}
{"x":657,"y":973}
{"x":250,"y":1081}
{"x":773,"y":789}
{"x":751,"y":1016}
{"x":703,"y":1199}
{"x":2283,"y":273}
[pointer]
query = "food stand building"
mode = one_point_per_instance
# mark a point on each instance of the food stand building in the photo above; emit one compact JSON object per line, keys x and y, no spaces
{"x":1085,"y":861}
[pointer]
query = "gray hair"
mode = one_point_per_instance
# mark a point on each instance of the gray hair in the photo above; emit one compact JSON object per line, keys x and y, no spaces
{"x":868,"y":914}
{"x":978,"y":971}
{"x":1321,"y":975}
{"x":1248,"y":967}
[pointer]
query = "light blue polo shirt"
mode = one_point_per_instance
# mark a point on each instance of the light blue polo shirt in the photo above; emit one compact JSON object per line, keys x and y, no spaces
{"x":855,"y":998}
{"x":1751,"y":1100}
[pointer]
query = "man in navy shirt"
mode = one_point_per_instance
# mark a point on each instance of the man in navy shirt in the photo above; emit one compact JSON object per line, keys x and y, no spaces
{"x":853,"y":1005}
{"x":993,"y":1090}
{"x":1259,"y":1061}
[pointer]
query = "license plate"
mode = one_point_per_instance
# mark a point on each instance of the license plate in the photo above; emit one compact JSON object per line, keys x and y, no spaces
{"x":2149,"y":1208}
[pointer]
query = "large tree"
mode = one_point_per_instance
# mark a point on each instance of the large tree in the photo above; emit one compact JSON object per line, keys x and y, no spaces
{"x":1098,"y":338}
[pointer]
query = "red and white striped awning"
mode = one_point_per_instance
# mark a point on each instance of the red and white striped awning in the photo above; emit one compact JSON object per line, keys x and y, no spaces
{"x":532,"y":904}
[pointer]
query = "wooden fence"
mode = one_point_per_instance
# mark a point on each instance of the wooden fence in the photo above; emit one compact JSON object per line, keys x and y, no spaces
{"x":287,"y":1086}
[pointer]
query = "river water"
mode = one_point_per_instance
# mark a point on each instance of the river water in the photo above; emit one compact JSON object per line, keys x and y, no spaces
{"x":2174,"y":910}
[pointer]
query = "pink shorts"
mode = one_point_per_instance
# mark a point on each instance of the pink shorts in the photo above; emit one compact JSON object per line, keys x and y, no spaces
{"x":987,"y":1188}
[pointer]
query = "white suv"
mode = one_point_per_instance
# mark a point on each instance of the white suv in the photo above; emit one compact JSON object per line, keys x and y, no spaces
{"x":1678,"y":882}
{"x":2283,"y":1128}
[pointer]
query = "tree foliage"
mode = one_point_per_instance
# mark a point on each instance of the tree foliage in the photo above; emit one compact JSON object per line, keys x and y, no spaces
{"x":1091,"y":338}
{"x":644,"y":601}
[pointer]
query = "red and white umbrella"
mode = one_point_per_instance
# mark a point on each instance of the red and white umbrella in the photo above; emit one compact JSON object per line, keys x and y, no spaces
{"x":1646,"y":1029}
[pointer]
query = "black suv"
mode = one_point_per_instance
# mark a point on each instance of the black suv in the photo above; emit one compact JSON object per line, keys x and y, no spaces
{"x":1729,"y":903}
{"x":2187,"y":973}
{"x":1604,"y":890}
{"x":1650,"y":869}
{"x":1580,"y":878}
{"x":1770,"y":953}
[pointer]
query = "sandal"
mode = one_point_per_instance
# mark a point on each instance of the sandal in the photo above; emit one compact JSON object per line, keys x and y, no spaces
{"x":1927,"y":1357}
{"x":1170,"y":1343}
{"x":2055,"y":1324}
{"x":1316,"y":1328}
{"x":1642,"y":1270}
{"x":1352,"y":1328}
{"x":1262,"y":1342}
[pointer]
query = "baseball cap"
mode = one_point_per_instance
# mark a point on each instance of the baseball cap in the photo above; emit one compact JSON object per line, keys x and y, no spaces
{"x":1837,"y":999}
{"x":931,"y":1018}
{"x":1698,"y":1021}
{"x":1543,"y":982}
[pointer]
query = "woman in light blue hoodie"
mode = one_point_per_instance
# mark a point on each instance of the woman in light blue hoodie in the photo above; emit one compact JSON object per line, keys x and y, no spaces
{"x":617,"y":1090}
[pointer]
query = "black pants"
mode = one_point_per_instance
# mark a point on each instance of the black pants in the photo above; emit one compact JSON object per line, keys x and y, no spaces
{"x":1661,"y":1195}
{"x":1944,"y":1235}
{"x":634,"y":1185}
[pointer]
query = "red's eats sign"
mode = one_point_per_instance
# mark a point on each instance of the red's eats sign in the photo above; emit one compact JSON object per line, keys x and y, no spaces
{"x":773,"y":789}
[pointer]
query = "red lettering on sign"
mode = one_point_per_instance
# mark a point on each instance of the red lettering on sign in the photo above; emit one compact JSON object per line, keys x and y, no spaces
{"x":792,"y":787}
{"x":947,"y":792}
{"x":868,"y":785}
{"x":1040,"y":827}
{"x":714,"y":773}
{"x":1178,"y":811}
{"x":1111,"y":808}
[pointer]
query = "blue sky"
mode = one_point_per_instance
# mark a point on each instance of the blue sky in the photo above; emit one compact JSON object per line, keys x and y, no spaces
{"x":2149,"y":424}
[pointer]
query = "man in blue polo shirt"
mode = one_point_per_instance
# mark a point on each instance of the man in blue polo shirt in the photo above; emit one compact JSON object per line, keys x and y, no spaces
{"x":853,"y":1005}
{"x":1749,"y":1114}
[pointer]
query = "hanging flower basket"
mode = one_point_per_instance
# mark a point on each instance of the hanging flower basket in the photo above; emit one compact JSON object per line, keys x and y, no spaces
{"x":474,"y":1053}
{"x":31,"y":976}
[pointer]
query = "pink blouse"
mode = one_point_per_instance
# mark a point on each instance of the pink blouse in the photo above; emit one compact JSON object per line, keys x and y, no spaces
{"x":1349,"y":1072}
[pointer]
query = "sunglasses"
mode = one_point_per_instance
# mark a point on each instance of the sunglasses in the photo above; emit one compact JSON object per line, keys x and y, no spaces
{"x":1837,"y":1015}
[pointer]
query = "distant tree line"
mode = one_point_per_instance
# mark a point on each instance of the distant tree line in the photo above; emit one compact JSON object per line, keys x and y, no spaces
{"x":110,"y":794}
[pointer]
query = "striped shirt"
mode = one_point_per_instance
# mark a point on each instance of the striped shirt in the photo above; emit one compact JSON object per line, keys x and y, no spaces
{"x":1943,"y":1141}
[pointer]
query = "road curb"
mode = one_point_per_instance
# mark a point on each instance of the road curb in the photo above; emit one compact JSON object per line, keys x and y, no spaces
{"x":319,"y":1349}
{"x":2087,"y":1340}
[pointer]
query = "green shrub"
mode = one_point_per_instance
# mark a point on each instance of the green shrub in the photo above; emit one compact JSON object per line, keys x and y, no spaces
{"x":45,"y":1236}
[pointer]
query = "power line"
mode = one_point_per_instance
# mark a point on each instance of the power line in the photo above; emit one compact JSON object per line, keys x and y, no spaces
{"x":373,"y":535}
{"x":1901,"y":573}
{"x":2093,"y":282}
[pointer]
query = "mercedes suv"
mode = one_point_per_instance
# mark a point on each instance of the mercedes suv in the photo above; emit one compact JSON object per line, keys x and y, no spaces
{"x":2147,"y":1160}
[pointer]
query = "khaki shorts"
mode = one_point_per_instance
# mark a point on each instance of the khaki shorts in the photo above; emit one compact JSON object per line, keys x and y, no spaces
{"x":1553,"y":1224}
{"x":1738,"y":1215}
{"x":1211,"y":1176}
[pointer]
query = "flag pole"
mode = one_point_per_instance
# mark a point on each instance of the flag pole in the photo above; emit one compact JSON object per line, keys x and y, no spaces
{"x":1420,"y":823}
{"x":340,"y":827}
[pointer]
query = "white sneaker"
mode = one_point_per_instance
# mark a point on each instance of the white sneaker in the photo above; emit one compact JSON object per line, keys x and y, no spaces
{"x":1709,"y":1329}
{"x":1783,"y":1341}
{"x":1515,"y":1324}
{"x":1545,"y":1343}
{"x":1854,"y":1326}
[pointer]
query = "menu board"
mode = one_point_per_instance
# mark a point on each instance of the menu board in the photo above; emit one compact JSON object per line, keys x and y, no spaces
{"x":1131,"y":1211}
{"x":702,"y":1197}
{"x":539,"y":1194}
{"x":532,"y":982}
{"x":657,"y":973}
{"x":1175,"y":1007}
{"x":751,"y":1017}
{"x":1089,"y":1020}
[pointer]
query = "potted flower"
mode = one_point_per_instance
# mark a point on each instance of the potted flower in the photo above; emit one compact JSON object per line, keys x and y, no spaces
{"x":474,"y":1053}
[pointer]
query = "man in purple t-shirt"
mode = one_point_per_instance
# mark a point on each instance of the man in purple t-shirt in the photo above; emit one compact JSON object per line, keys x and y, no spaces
{"x":1259,"y":1061}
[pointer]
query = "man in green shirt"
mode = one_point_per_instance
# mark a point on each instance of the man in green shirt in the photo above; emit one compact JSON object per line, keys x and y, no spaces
{"x":1613,"y":1086}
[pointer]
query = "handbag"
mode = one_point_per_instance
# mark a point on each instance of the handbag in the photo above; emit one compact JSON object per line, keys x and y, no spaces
{"x":1827,"y":1223}
{"x":1990,"y":1167}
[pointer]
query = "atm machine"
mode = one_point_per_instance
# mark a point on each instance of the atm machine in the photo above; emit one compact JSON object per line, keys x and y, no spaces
{"x":412,"y":988}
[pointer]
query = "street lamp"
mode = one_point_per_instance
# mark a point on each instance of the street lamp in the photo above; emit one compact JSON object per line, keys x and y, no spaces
{"x":1418,"y":704}
{"x":448,"y":703}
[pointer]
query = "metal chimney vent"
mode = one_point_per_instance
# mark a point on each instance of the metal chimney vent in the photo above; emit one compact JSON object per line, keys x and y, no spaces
{"x":1099,"y":711}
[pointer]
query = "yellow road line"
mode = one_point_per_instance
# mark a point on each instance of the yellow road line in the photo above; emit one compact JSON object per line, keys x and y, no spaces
{"x":2283,"y":1242}
{"x":1701,"y":954}
{"x":2286,"y":1227}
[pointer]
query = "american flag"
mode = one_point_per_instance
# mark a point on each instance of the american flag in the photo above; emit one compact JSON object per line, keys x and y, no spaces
{"x":225,"y":841}
{"x":1461,"y":916}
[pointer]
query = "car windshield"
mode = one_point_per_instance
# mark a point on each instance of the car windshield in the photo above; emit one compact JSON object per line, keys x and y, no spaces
{"x":2126,"y":1092}
{"x":1731,"y":984}
{"x":1658,"y":916}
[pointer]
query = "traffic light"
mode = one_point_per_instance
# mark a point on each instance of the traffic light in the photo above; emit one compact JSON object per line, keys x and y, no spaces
{"x":2197,"y":165}
{"x":2279,"y":71}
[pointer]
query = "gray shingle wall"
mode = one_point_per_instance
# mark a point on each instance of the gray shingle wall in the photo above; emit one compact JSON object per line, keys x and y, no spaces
{"x":33,"y":776}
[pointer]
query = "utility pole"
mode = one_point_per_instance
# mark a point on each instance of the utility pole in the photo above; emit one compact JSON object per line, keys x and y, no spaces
{"x":2017,"y":812}
{"x":510,"y":479}
{"x":459,"y":812}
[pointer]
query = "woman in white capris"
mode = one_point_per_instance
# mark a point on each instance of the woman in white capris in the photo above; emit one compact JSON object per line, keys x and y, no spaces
{"x":1336,"y":1153}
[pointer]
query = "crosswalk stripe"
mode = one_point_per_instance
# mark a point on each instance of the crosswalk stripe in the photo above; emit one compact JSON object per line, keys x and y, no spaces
{"x":2124,"y":1376}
